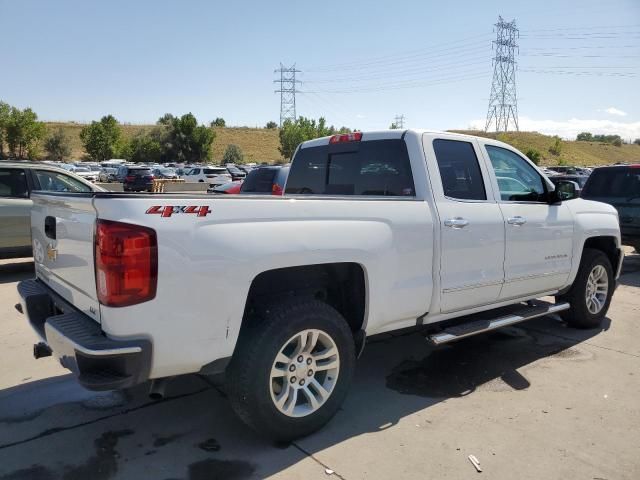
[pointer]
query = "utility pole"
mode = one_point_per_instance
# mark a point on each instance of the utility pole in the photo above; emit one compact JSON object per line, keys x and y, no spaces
{"x":287,"y":92}
{"x":503,"y":103}
{"x":399,"y":121}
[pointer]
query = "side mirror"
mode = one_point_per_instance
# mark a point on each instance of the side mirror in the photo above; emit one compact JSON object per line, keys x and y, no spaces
{"x":566,"y":190}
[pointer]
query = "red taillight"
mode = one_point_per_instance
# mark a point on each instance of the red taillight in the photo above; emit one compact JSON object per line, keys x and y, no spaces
{"x":277,"y":190}
{"x":130,"y":178}
{"x":346,"y":137}
{"x":126,"y":263}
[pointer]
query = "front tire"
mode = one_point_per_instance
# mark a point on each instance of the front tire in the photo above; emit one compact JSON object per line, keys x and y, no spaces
{"x":292,"y":369}
{"x":591,"y":292}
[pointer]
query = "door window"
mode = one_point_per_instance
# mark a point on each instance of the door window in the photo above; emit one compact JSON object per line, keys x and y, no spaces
{"x":13,"y":183}
{"x":59,"y":182}
{"x":459,"y":170}
{"x":518,"y":181}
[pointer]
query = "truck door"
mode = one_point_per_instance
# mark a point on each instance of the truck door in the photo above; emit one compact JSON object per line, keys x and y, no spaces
{"x":471,"y":225}
{"x":539,"y":236}
{"x":15,"y":207}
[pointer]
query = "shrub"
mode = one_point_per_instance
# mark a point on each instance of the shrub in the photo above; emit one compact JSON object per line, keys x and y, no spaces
{"x":233,"y":154}
{"x":533,"y":155}
{"x":58,"y":146}
{"x":556,"y":148}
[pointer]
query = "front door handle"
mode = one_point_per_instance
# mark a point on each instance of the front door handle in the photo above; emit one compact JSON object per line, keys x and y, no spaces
{"x":456,"y":222}
{"x":517,"y":220}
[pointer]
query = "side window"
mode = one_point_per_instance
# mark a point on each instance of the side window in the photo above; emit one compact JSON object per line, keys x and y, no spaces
{"x":459,"y":170}
{"x":59,"y":182}
{"x":13,"y":183}
{"x":518,"y":181}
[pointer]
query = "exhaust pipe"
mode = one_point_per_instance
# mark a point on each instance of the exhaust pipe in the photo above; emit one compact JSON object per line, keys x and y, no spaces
{"x":158,"y":387}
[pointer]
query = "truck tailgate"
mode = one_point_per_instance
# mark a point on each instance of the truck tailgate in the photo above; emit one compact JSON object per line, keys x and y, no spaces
{"x":62,"y":229}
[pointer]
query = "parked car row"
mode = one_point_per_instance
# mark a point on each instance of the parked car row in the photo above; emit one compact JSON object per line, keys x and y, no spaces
{"x":266,"y":180}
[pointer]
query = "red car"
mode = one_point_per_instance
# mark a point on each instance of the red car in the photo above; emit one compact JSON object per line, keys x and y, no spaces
{"x":231,"y":188}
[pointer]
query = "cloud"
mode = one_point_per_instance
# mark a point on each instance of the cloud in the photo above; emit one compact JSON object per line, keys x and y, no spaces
{"x":570,"y":128}
{"x":615,"y":111}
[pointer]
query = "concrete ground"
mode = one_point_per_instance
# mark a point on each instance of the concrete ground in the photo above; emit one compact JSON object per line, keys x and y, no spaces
{"x":536,"y":402}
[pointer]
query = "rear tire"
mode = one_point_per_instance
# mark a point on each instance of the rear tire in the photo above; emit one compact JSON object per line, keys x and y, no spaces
{"x":291,"y":370}
{"x":591,"y":292}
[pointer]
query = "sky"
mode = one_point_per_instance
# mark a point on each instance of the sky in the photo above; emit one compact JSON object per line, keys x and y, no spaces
{"x":361,"y":63}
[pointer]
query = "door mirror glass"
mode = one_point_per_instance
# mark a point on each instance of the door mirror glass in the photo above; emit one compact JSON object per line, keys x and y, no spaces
{"x":567,"y":189}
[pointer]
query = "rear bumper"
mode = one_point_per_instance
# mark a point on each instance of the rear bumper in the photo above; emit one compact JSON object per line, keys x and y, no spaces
{"x":99,"y":362}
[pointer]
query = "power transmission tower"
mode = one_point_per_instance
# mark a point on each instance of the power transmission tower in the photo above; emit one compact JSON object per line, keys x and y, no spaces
{"x":399,"y":121}
{"x":503,"y":103}
{"x":287,"y":92}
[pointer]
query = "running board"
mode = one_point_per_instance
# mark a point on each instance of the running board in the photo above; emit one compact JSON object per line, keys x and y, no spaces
{"x":493,"y":319}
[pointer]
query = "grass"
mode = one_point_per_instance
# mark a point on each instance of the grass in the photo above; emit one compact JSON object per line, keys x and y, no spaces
{"x":261,"y":145}
{"x":572,"y":152}
{"x":258,"y":144}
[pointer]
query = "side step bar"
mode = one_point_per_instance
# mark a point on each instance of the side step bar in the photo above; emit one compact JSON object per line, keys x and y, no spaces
{"x":493,"y":319}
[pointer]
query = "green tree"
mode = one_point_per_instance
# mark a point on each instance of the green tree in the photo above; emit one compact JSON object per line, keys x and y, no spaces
{"x":5,"y":113}
{"x":103,"y":140}
{"x":233,"y":154}
{"x":293,"y":133}
{"x":186,"y":141}
{"x":24,"y":132}
{"x":393,"y":126}
{"x":556,"y":148}
{"x":533,"y":155}
{"x":144,"y":148}
{"x":637,"y":141}
{"x":584,"y":137}
{"x":166,"y":120}
{"x":219,"y":122}
{"x":271,"y":125}
{"x":58,"y":145}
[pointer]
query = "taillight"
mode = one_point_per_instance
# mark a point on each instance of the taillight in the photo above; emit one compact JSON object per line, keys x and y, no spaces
{"x":126,"y":258}
{"x":130,"y":178}
{"x":276,"y":189}
{"x":346,"y":137}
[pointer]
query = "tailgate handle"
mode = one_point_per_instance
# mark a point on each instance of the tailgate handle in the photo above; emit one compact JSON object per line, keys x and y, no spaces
{"x":50,"y":227}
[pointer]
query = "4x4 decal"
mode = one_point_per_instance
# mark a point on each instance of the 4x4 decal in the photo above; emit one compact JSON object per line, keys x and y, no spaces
{"x":168,"y":210}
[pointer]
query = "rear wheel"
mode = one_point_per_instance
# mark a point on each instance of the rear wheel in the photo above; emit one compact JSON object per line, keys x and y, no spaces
{"x":291,"y":371}
{"x":591,"y":292}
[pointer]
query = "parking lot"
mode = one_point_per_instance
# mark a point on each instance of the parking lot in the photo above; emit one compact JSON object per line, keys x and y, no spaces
{"x":539,"y":401}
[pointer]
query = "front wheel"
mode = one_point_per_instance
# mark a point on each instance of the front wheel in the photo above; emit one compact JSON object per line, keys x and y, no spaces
{"x":591,"y":292}
{"x":292,"y":369}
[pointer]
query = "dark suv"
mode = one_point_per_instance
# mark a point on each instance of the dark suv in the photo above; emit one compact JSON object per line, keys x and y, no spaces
{"x":136,"y":179}
{"x":619,"y":186}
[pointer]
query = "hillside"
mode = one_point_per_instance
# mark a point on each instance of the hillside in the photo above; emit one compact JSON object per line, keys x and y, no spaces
{"x":572,"y":153}
{"x":261,"y":145}
{"x":258,"y":144}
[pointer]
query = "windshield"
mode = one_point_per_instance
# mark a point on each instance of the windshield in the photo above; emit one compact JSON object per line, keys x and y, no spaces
{"x":214,"y":171}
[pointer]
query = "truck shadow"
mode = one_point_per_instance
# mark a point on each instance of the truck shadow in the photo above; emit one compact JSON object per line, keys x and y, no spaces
{"x":193,"y":433}
{"x":14,"y":271}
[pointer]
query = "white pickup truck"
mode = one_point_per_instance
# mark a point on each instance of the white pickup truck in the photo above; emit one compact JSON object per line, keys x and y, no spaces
{"x":377,"y":231}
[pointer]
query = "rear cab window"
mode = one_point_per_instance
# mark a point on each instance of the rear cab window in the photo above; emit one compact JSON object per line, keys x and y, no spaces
{"x":366,"y":168}
{"x":259,"y":181}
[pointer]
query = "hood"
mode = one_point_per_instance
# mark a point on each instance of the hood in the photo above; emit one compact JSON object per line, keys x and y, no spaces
{"x":582,"y":206}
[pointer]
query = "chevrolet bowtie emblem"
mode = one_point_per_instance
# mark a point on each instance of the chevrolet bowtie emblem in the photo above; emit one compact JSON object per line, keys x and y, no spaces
{"x":52,"y":253}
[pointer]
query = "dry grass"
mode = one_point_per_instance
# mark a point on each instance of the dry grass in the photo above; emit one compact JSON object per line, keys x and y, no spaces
{"x":261,"y":145}
{"x":257,"y":144}
{"x":572,"y":153}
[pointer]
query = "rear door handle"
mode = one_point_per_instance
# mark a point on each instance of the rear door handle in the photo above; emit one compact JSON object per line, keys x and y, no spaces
{"x":456,"y":222}
{"x":517,"y":220}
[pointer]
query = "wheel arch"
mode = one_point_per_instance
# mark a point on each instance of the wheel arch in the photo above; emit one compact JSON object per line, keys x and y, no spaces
{"x":342,"y":285}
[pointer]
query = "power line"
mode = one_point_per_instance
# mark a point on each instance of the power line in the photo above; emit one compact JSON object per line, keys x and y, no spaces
{"x":287,"y":92}
{"x":503,"y":102}
{"x":399,"y":122}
